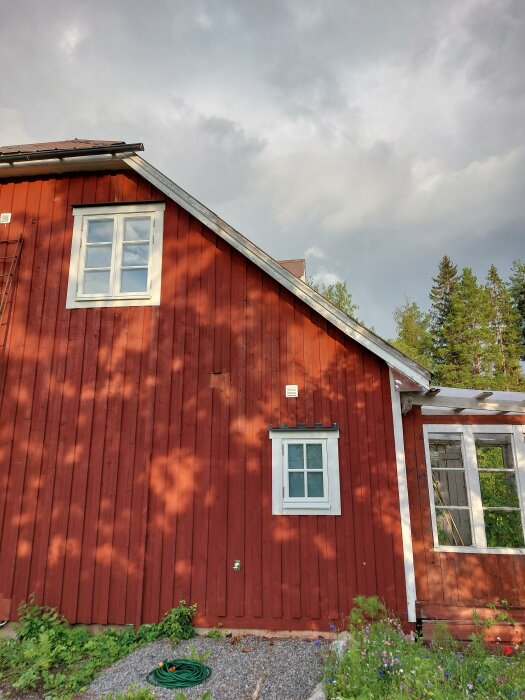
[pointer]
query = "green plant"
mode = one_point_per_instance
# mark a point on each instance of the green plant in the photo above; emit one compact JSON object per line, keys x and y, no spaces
{"x":178,"y":622}
{"x":382,"y":662}
{"x":51,"y":657}
{"x":195,"y":656}
{"x":132,"y":693}
{"x":214,"y":634}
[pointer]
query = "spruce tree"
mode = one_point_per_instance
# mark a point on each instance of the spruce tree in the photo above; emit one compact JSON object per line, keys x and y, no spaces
{"x":504,"y":323}
{"x":413,"y":335}
{"x":517,"y":294}
{"x":440,"y":300}
{"x":468,"y":350}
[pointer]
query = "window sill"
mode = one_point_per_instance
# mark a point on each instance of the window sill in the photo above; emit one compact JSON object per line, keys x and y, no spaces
{"x":480,"y":550}
{"x":101,"y":302}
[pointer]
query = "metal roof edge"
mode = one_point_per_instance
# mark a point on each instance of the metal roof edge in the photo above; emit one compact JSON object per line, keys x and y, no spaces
{"x":362,"y":335}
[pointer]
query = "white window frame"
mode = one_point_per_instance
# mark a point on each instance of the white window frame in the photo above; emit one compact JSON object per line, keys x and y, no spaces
{"x":76,"y":299}
{"x":467,"y":435}
{"x":282,"y":503}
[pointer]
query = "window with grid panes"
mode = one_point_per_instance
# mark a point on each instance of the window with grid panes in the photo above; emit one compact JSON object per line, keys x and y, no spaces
{"x":116,"y":255}
{"x":477,"y":485}
{"x":305,"y":471}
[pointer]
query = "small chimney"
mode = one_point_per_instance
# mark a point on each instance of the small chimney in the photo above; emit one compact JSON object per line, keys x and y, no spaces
{"x":296,"y":267}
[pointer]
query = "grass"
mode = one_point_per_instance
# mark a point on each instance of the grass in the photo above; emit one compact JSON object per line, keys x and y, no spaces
{"x":52,"y":657}
{"x":380,"y":661}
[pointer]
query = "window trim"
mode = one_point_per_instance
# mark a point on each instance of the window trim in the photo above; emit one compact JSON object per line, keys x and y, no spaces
{"x":467,"y":434}
{"x":330,"y":504}
{"x":83,"y":213}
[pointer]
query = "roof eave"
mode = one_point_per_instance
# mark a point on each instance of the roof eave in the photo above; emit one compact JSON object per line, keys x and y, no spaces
{"x":362,"y":335}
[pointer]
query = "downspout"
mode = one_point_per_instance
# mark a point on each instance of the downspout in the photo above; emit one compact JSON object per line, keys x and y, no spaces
{"x":404,"y":508}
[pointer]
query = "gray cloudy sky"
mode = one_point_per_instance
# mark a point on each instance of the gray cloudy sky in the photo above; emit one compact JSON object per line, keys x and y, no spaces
{"x":372,"y":136}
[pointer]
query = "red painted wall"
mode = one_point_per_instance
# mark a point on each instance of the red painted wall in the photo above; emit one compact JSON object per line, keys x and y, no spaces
{"x":128,"y":482}
{"x":450,"y":585}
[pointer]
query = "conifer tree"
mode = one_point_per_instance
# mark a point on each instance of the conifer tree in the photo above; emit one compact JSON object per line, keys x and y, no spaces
{"x":413,"y":335}
{"x":467,"y":351}
{"x":517,"y":294}
{"x":504,"y":323}
{"x":440,"y":300}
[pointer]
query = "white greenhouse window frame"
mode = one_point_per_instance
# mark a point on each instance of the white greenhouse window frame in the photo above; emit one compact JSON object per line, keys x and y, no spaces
{"x":119,"y":214}
{"x":329,"y":503}
{"x":466,"y":434}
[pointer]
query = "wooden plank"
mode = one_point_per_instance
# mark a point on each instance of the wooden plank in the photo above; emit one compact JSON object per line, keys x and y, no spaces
{"x":268,"y":412}
{"x":25,"y":204}
{"x":365,"y":493}
{"x":254,"y":431}
{"x":400,"y":585}
{"x":44,"y":308}
{"x":223,"y":360}
{"x":346,"y":549}
{"x":202,"y":506}
{"x":415,"y":477}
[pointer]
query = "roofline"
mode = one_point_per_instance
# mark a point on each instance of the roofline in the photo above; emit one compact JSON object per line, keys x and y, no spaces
{"x":362,"y":335}
{"x":53,"y":153}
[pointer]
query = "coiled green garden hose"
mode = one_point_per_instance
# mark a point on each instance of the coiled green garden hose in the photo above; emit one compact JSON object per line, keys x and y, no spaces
{"x":179,"y":673}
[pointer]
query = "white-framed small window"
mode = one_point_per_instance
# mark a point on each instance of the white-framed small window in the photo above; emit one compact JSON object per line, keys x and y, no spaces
{"x":116,"y":255}
{"x":476,"y":480}
{"x":305,"y":471}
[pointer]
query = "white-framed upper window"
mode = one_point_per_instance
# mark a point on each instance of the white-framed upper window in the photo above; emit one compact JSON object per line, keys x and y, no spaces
{"x":476,"y":480}
{"x":305,"y":471}
{"x":116,"y":255}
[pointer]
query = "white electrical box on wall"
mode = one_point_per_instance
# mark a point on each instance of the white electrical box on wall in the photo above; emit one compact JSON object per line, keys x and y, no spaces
{"x":5,"y":217}
{"x":291,"y":391}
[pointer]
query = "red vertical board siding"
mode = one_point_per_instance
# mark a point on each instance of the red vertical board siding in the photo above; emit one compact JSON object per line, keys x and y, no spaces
{"x":136,"y":462}
{"x":449,"y":579}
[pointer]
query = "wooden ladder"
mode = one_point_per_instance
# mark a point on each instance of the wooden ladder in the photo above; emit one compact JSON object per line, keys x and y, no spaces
{"x":10,"y":250}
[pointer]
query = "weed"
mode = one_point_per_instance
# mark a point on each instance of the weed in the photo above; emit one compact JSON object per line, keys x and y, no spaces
{"x":214,"y":634}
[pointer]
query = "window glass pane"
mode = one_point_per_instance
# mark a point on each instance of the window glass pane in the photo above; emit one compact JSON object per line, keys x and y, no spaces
{"x":453,"y":527}
{"x":315,"y":484}
{"x":135,"y":254}
{"x":100,"y":231}
{"x":296,"y":484}
{"x":503,"y":528}
{"x":449,"y":488}
{"x":494,"y":452}
{"x":498,"y":489}
{"x":314,"y":457}
{"x":134,"y":281}
{"x":295,"y":457}
{"x":137,"y":229}
{"x":96,"y":282}
{"x":98,"y":256}
{"x":445,"y":453}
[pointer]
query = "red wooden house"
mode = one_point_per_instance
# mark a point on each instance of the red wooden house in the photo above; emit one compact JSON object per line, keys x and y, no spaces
{"x":182,"y":417}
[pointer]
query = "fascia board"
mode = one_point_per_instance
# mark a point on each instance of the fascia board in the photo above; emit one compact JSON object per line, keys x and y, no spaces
{"x":362,"y":335}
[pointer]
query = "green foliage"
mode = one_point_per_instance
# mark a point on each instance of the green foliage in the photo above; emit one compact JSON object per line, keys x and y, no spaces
{"x":214,"y":634}
{"x":50,"y":655}
{"x":194,"y":655}
{"x":177,"y":623}
{"x":413,"y":334}
{"x":132,"y":693}
{"x":504,"y":322}
{"x":517,"y":295}
{"x":380,"y":661}
{"x":338,"y":294}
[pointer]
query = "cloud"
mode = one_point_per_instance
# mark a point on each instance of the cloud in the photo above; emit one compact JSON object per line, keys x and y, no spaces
{"x":381,"y":135}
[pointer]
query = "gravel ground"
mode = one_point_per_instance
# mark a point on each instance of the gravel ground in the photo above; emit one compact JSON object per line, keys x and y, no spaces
{"x":243,"y":668}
